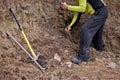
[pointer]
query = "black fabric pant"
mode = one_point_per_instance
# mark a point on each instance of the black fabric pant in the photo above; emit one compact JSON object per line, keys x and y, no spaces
{"x":97,"y":39}
{"x":92,"y":32}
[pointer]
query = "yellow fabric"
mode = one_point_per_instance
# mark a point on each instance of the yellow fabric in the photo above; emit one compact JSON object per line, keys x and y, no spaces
{"x":81,"y":6}
{"x":74,"y":19}
{"x":89,"y":10}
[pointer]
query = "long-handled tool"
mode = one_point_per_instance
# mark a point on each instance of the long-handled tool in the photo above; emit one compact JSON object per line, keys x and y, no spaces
{"x":26,"y":51}
{"x":23,"y":34}
{"x":65,"y":16}
{"x":67,"y":32}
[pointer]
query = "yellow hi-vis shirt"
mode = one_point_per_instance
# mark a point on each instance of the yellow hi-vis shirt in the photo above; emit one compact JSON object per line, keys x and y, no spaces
{"x":81,"y":6}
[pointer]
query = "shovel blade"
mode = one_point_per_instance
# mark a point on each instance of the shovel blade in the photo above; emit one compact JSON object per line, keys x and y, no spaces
{"x":37,"y":56}
{"x":69,"y":35}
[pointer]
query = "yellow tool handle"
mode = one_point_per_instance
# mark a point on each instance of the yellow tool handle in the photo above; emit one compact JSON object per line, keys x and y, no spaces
{"x":29,"y":46}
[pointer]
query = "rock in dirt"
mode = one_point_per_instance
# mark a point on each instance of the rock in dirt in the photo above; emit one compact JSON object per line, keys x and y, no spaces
{"x":103,"y":59}
{"x":112,"y":65}
{"x":69,"y":64}
{"x":99,"y":60}
{"x":57,"y":57}
{"x":54,"y":78}
{"x":118,"y":62}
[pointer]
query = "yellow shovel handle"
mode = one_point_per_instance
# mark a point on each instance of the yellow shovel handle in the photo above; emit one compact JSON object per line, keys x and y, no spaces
{"x":28,"y":44}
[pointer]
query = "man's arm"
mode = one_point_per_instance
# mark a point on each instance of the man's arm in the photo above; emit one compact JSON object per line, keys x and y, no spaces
{"x":80,"y":8}
{"x":74,"y":18}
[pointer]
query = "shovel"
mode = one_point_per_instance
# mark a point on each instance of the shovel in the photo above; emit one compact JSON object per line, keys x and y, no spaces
{"x":42,"y":68}
{"x":23,"y":34}
{"x":67,"y":32}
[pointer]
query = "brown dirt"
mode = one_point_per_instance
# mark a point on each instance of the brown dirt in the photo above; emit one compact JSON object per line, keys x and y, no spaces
{"x":42,"y":21}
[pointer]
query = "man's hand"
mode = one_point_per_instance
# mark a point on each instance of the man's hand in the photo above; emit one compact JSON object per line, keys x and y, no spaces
{"x":67,"y":29}
{"x":64,"y":5}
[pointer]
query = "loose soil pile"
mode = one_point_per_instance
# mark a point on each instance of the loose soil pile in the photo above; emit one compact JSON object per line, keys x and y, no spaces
{"x":43,"y":23}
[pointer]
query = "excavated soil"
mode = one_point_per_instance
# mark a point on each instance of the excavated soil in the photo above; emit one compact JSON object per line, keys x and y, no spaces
{"x":43,"y":23}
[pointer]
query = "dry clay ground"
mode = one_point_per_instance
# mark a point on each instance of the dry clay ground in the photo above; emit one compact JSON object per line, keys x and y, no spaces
{"x":42,"y":21}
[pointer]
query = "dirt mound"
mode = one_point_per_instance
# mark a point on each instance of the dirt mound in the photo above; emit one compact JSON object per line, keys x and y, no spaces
{"x":43,"y":23}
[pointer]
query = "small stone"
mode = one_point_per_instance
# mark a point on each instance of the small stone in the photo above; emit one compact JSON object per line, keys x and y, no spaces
{"x":54,"y":77}
{"x":84,"y":63}
{"x":100,"y":60}
{"x":103,"y":59}
{"x":112,"y":65}
{"x":118,"y":62}
{"x":53,"y":37}
{"x":109,"y":59}
{"x":57,"y":57}
{"x":66,"y":51}
{"x":46,"y":35}
{"x":69,"y":64}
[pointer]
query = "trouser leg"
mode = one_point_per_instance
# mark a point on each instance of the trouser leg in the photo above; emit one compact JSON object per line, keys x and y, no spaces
{"x":88,"y":31}
{"x":84,"y":43}
{"x":97,"y":39}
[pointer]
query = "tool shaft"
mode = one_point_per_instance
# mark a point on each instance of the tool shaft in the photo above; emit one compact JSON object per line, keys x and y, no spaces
{"x":65,"y":15}
{"x":28,"y":44}
{"x":15,"y":19}
{"x":26,"y":51}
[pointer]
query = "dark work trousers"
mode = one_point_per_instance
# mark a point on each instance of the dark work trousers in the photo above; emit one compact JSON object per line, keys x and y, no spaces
{"x":97,"y":39}
{"x":92,"y":31}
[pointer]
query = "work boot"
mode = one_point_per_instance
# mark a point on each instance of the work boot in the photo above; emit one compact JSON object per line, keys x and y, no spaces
{"x":76,"y":60}
{"x":85,"y":59}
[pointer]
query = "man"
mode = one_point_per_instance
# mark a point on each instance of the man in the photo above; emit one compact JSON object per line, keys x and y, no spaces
{"x":92,"y":30}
